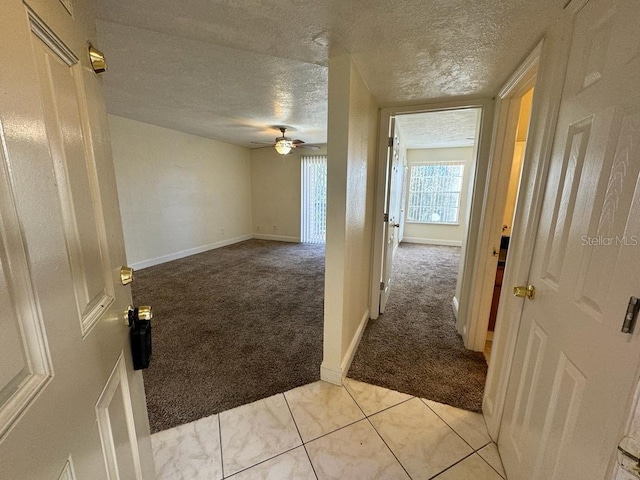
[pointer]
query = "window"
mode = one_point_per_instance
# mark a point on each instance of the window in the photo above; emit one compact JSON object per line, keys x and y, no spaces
{"x":434,"y":193}
{"x":314,"y":199}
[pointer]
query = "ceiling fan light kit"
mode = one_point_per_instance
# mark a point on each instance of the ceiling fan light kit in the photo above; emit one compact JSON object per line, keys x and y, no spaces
{"x":283,"y":145}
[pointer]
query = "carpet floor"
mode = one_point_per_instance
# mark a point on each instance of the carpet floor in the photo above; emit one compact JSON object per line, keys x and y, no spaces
{"x":231,"y":326}
{"x":414,"y":347}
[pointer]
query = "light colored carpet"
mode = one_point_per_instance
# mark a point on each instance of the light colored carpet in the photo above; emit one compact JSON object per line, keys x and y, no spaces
{"x":414,"y":347}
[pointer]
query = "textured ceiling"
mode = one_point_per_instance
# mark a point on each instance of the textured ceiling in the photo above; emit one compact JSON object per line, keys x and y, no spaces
{"x":453,"y":128}
{"x":230,"y":69}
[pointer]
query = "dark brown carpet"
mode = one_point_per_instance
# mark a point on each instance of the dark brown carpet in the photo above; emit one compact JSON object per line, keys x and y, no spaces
{"x":231,"y":326}
{"x":414,"y":347}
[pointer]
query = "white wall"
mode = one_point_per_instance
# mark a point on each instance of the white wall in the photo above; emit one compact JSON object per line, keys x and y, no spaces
{"x":276,"y":192}
{"x":440,"y":234}
{"x":180,"y":194}
{"x":352,"y":134}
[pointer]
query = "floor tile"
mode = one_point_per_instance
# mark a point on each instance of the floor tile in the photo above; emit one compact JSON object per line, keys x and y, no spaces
{"x":190,"y":451}
{"x":372,"y":398}
{"x":354,"y":452}
{"x":320,"y":408}
{"x":469,"y":425}
{"x":471,"y":468}
{"x":256,"y":432}
{"x":293,"y":465}
{"x":491,"y":455}
{"x":424,"y":444}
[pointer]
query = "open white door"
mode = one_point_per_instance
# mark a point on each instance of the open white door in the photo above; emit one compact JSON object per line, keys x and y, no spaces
{"x":70,"y":404}
{"x":393,"y":199}
{"x":574,"y":371}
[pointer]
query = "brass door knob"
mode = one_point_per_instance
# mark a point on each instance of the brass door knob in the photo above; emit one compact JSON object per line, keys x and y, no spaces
{"x":126,"y":275}
{"x":525,"y":292}
{"x":144,"y":313}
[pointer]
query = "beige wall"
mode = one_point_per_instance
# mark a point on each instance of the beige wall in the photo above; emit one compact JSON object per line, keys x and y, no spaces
{"x":441,"y":234}
{"x":180,"y":194}
{"x":514,"y":183}
{"x":276,"y":191}
{"x":352,"y":132}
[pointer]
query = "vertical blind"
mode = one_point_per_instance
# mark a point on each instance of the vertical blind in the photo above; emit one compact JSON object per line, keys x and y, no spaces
{"x":314,"y":198}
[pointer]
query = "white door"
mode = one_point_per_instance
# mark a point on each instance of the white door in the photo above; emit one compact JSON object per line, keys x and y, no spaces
{"x":70,"y":404}
{"x":574,"y":370}
{"x":393,"y":205}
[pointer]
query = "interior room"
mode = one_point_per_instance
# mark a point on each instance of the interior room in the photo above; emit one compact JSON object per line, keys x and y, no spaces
{"x":215,"y":239}
{"x":413,"y":346}
{"x":205,"y":140}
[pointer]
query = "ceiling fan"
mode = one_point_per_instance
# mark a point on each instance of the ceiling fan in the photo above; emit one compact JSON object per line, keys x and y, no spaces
{"x":284,"y":144}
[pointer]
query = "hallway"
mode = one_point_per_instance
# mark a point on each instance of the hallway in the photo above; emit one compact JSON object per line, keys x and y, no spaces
{"x":414,"y":346}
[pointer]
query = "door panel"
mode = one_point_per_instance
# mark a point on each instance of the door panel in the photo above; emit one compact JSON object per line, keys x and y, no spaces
{"x":117,"y":426}
{"x":61,"y":249}
{"x":574,"y":371}
{"x":395,"y":176}
{"x":24,"y":355}
{"x":62,"y":92}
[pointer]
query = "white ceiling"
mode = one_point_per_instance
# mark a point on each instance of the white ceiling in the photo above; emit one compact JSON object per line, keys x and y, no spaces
{"x":232,"y":69}
{"x":444,"y":129}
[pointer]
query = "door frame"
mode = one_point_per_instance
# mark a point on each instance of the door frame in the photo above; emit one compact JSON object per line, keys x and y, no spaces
{"x":474,"y":329}
{"x":552,"y":54}
{"x":478,"y":179}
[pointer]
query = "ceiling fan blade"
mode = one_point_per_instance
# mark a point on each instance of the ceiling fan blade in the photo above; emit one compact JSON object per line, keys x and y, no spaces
{"x":263,"y":143}
{"x":308,"y":147}
{"x":297,"y":142}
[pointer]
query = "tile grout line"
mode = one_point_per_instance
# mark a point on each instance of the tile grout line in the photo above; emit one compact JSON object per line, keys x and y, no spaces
{"x":487,"y":462}
{"x":470,"y":446}
{"x":262,"y":461}
{"x":303,"y":443}
{"x":220,"y":437}
{"x":453,"y":429}
{"x":274,"y":456}
{"x":383,"y":409}
{"x":453,"y":465}
{"x":377,"y":432}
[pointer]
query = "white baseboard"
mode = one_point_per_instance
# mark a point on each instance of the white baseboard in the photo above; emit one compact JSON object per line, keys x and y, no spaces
{"x":336,"y":376}
{"x":432,"y":241}
{"x":353,"y":347}
{"x":331,"y":375}
{"x":191,"y":251}
{"x":277,"y":238}
{"x":454,"y":304}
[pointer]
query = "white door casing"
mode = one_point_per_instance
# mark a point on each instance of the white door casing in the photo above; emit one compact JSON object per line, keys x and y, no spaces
{"x":70,"y":404}
{"x":574,"y":371}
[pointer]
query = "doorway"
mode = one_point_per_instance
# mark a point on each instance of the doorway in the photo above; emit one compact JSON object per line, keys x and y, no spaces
{"x":520,"y":143}
{"x":413,"y":345}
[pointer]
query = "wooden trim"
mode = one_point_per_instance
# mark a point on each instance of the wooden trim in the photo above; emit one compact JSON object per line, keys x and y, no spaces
{"x":191,"y":251}
{"x":276,"y":238}
{"x":432,"y":241}
{"x":337,"y":376}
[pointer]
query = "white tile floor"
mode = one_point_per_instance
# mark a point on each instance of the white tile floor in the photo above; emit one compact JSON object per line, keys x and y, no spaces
{"x":321,"y":431}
